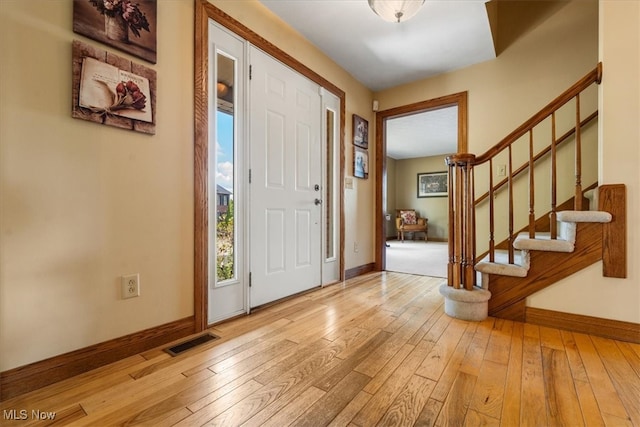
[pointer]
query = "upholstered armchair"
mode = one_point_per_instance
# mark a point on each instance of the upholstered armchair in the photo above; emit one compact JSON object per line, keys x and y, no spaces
{"x":409,"y":221}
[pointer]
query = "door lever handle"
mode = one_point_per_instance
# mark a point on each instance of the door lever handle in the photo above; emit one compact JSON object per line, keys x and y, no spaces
{"x":317,"y":202}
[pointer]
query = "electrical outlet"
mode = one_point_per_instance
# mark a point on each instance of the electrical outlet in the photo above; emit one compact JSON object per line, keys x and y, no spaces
{"x":502,"y":170}
{"x":130,"y":286}
{"x":355,"y":247}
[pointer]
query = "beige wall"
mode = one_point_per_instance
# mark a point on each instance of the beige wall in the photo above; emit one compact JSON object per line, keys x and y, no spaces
{"x":433,"y":208}
{"x":587,"y":292}
{"x":83,"y":204}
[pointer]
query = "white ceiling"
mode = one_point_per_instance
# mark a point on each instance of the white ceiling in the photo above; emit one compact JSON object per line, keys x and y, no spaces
{"x":445,"y":35}
{"x":426,"y":134}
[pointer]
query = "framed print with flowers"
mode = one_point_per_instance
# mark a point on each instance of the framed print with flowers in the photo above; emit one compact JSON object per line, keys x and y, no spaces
{"x":112,"y":90}
{"x":128,"y":25}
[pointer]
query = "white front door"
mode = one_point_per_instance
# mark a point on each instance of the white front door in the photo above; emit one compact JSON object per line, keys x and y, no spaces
{"x":286,"y":178}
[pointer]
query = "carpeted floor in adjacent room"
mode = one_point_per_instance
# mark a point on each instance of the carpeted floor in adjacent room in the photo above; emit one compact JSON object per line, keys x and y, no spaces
{"x":418,"y":257}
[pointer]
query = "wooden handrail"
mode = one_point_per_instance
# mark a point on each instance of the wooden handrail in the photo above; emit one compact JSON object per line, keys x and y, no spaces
{"x":538,"y":156}
{"x":595,"y":76}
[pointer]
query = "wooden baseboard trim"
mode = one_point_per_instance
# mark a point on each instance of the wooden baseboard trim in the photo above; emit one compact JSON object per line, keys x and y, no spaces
{"x":359,"y":271}
{"x":606,"y":328}
{"x":23,"y":379}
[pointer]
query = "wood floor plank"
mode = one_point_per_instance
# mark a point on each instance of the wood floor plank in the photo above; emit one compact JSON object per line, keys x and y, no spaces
{"x":551,"y":338}
{"x":451,"y":370}
{"x":407,"y":407}
{"x":349,"y":412}
{"x":454,"y":409}
{"x":294,"y":359}
{"x":334,"y":401}
{"x":533,"y":408}
{"x":436,"y":314}
{"x":218,"y":406}
{"x":413,"y":318}
{"x":429,"y":414}
{"x":298,"y":406}
{"x":513,"y":384}
{"x":474,"y":356}
{"x":562,"y":399}
{"x":340,"y":371}
{"x":437,"y":359}
{"x":373,"y":411}
{"x":631,"y":356}
{"x":588,"y":404}
{"x":377,"y":349}
{"x":499,"y":342}
{"x":609,"y":402}
{"x":261,"y":406}
{"x":475,"y":418}
{"x":136,"y":409}
{"x":489,"y":391}
{"x":383,"y":375}
{"x":622,"y":375}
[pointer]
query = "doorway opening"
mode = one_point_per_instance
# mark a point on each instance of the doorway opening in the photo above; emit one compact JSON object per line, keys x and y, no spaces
{"x":386,"y":214}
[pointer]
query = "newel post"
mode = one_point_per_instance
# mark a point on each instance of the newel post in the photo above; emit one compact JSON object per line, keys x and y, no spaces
{"x":462,"y":298}
{"x":461,"y":221}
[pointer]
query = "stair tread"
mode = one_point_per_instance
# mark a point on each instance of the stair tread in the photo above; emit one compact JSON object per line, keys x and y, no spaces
{"x":501,"y":266}
{"x":584,"y":216}
{"x":543,"y":242}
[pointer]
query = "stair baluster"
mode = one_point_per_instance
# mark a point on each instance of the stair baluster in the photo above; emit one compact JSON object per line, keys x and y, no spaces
{"x":578,"y":192}
{"x":532,"y":214}
{"x":553,"y":224}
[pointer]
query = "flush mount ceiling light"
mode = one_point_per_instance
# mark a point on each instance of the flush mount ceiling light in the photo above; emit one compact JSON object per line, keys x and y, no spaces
{"x":395,"y":10}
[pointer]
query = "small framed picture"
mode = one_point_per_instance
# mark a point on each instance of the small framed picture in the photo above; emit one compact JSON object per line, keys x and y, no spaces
{"x":360,"y":163}
{"x":433,"y":184}
{"x":360,"y":132}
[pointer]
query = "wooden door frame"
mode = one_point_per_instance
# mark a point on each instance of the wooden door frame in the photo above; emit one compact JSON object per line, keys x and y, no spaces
{"x":456,"y":99}
{"x":205,"y":11}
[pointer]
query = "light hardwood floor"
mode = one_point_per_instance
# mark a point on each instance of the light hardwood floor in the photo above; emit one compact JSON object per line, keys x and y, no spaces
{"x":375,"y":350}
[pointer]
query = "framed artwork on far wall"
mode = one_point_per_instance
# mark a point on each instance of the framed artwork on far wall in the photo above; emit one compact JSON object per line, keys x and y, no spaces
{"x":360,"y":163}
{"x":433,"y":184}
{"x":126,"y":25}
{"x":360,"y":132}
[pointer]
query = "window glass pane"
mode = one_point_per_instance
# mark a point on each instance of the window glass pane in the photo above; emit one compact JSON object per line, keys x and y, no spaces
{"x":329,"y":185}
{"x":224,"y":177}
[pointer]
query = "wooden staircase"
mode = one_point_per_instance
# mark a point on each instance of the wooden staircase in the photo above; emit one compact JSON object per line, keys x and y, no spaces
{"x":539,"y":266}
{"x":548,"y":249}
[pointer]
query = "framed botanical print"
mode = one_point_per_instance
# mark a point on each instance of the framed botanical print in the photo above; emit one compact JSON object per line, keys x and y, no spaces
{"x":130,"y":26}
